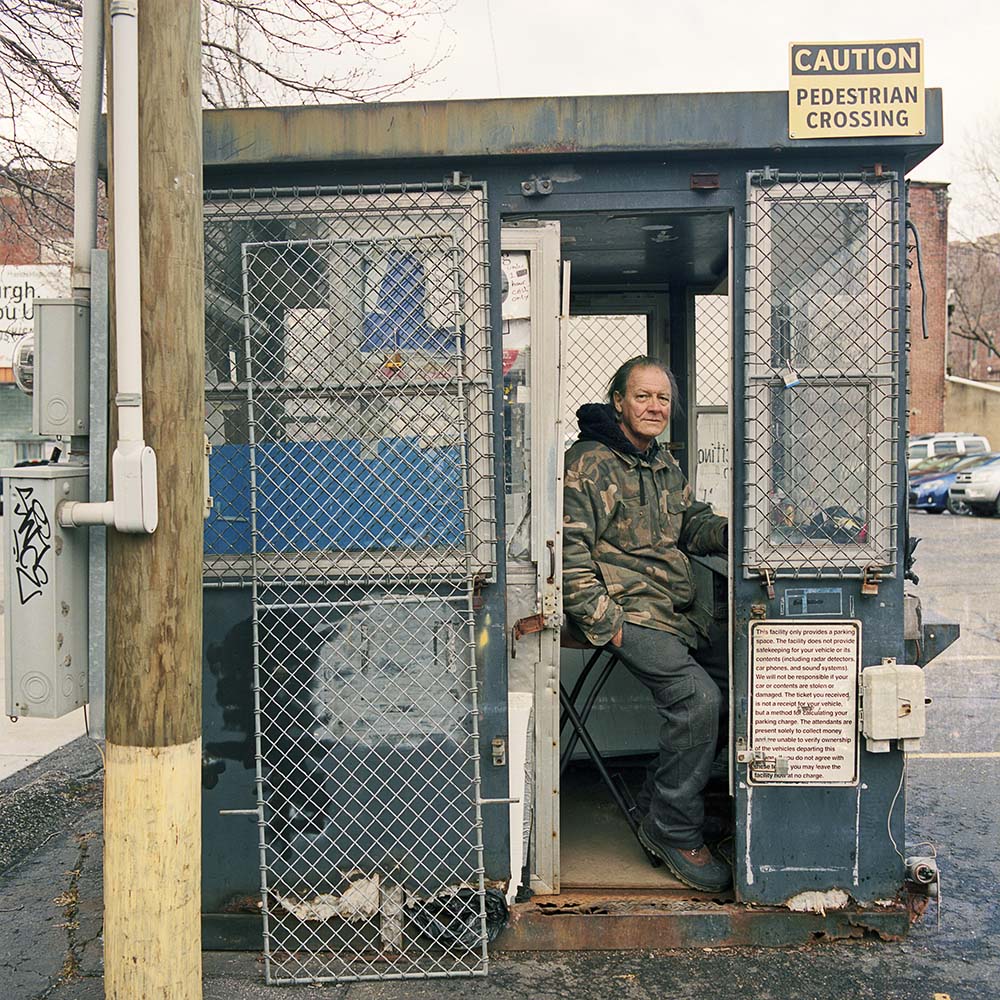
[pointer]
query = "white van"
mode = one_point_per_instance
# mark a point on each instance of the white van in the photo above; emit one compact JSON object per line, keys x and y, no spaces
{"x":946,"y":443}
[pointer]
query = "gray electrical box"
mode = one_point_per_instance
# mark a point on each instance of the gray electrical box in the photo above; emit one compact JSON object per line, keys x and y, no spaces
{"x":45,"y":592}
{"x":893,"y":706}
{"x":61,"y":394}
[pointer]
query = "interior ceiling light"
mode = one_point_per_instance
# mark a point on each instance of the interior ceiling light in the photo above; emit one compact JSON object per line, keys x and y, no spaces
{"x":658,"y":228}
{"x":630,"y":270}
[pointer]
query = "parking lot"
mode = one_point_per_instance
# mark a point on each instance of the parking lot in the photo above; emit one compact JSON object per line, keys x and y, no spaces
{"x":51,"y":943}
{"x":952,"y":954}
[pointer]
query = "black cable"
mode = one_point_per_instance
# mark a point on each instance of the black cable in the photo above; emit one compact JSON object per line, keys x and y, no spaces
{"x":920,"y":274}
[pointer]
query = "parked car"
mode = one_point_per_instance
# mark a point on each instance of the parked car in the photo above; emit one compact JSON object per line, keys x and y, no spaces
{"x":946,"y":443}
{"x":926,"y":466}
{"x":978,"y":488}
{"x":930,"y":489}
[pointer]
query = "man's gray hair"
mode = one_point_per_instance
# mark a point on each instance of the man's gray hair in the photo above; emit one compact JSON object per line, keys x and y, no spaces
{"x":619,"y":381}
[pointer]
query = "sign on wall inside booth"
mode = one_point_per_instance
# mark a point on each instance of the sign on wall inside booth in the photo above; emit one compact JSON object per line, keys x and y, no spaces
{"x":516,"y":291}
{"x":20,"y":286}
{"x":712,"y":469}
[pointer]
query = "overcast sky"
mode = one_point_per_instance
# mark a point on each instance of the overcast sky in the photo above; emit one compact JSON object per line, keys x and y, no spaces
{"x":550,"y":47}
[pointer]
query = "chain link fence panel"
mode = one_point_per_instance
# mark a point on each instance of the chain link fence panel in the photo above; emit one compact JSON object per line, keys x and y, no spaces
{"x":713,"y":351}
{"x":349,"y":407}
{"x":821,"y":374}
{"x":596,"y":348}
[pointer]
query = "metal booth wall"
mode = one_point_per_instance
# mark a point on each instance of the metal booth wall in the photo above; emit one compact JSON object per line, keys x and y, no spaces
{"x":355,"y":531}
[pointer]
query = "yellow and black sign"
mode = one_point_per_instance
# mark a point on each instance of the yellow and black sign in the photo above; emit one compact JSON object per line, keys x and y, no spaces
{"x":839,"y":90}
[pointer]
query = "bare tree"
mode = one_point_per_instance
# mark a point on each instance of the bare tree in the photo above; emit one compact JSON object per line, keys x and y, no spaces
{"x":39,"y":84}
{"x":982,"y":161}
{"x":255,"y":52}
{"x":974,"y":266}
{"x":974,"y":299}
{"x":290,"y":51}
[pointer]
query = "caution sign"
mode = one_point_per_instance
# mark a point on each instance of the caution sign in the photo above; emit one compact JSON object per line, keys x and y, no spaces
{"x":842,"y":90}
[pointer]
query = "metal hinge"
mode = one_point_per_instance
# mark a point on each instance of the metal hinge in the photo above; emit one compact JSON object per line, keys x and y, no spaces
{"x":478,"y":582}
{"x":499,"y":748}
{"x":870,"y":580}
{"x":549,"y":591}
{"x":528,"y":626}
{"x":523,"y":627}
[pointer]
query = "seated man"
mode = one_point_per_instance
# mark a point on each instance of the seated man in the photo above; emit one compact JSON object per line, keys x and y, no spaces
{"x":628,"y":520}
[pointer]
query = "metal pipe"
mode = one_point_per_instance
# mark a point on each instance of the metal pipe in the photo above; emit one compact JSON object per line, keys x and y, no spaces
{"x":85,"y":172}
{"x":125,"y":150}
{"x":133,"y":464}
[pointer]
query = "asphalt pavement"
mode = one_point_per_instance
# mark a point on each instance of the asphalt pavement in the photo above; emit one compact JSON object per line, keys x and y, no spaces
{"x":50,"y":860}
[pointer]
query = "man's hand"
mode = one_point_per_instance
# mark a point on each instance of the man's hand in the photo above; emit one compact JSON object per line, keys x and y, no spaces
{"x":616,"y":639}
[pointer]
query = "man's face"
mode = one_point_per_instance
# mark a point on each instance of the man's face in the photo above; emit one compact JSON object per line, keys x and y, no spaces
{"x":644,"y":410}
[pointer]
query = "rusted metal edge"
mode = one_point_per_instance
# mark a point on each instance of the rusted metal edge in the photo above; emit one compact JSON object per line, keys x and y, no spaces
{"x":550,"y":126}
{"x":585,"y":923}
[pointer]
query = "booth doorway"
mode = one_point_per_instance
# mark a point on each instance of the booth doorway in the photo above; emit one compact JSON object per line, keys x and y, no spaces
{"x":636,"y":283}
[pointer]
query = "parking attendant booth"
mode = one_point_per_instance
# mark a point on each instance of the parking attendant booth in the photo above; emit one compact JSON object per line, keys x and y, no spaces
{"x":405,"y":306}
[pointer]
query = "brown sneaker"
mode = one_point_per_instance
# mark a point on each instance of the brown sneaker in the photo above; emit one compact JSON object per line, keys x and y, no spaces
{"x":697,"y":867}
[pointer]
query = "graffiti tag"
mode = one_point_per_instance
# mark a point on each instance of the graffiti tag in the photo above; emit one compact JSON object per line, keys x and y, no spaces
{"x":32,"y":533}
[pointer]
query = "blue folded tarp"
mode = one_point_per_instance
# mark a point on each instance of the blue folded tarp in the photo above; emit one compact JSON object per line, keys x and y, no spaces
{"x":322,"y":495}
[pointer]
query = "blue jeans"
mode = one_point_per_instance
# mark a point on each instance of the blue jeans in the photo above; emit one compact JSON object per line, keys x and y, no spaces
{"x":688,"y":700}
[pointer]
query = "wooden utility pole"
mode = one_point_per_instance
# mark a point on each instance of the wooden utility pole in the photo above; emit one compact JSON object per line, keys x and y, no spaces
{"x":152,"y":819}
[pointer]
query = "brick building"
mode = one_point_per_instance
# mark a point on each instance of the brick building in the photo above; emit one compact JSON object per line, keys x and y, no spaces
{"x":929,"y":213}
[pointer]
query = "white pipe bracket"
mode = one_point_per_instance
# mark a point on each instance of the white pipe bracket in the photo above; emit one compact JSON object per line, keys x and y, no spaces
{"x":79,"y":514}
{"x":133,"y":477}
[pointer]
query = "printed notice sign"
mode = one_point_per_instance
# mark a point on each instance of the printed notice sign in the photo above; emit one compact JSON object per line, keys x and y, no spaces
{"x":841,"y":90}
{"x":804,"y":702}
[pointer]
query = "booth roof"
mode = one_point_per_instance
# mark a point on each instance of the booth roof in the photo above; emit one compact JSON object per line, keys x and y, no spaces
{"x":723,"y":123}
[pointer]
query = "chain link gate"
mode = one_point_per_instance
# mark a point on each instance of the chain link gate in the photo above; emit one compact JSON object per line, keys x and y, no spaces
{"x":597,"y":345}
{"x":350,"y":412}
{"x":712,"y":352}
{"x":822,"y":375}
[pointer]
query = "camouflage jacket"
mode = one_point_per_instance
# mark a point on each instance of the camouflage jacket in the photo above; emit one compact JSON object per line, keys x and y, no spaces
{"x":628,"y":520}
